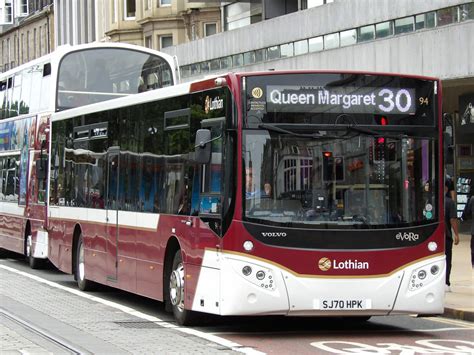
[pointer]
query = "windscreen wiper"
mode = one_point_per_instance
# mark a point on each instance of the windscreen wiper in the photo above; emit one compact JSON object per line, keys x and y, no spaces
{"x":295,"y":134}
{"x":347,"y":128}
{"x":371,"y":132}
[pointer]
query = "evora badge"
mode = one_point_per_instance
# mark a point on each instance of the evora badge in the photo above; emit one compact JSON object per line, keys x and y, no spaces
{"x":324,"y":264}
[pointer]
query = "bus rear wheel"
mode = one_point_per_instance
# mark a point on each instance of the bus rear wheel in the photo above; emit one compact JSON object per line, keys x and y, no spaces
{"x":79,"y":270}
{"x":177,"y":293}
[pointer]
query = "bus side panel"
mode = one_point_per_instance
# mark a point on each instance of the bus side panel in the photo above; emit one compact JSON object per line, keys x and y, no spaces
{"x":126,"y":254}
{"x":61,"y":238}
{"x":94,"y":233}
{"x":11,"y":227}
{"x":150,"y":250}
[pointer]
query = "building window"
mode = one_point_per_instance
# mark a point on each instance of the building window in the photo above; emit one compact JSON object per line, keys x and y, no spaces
{"x":366,"y":33}
{"x":404,"y":25}
{"x":384,"y":29}
{"x":249,"y":57}
{"x":331,"y":41}
{"x":164,"y":3}
{"x":467,"y":12}
{"x":315,"y":44}
{"x":237,"y":60}
{"x":215,"y":64}
{"x":166,"y":41}
{"x":210,"y":29}
{"x":273,"y":52}
{"x":286,"y":50}
{"x":23,"y":8}
{"x":260,"y":55}
{"x":348,"y":37}
{"x":205,"y":67}
{"x":226,"y":62}
{"x":447,"y":16}
{"x":6,"y":16}
{"x":129,"y":7}
{"x":301,"y":47}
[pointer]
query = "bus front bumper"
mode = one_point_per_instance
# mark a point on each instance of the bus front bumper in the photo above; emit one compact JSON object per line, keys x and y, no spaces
{"x":251,"y":286}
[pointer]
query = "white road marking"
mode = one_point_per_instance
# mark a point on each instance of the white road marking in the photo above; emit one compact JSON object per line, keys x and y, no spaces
{"x":460,"y":323}
{"x":210,"y":337}
{"x":305,"y":332}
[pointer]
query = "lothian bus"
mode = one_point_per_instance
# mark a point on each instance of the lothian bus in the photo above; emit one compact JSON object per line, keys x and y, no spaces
{"x":66,"y":78}
{"x":301,"y":193}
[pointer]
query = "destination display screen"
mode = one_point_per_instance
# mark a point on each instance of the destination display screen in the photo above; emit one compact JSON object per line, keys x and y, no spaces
{"x":323,"y":98}
{"x":341,"y":99}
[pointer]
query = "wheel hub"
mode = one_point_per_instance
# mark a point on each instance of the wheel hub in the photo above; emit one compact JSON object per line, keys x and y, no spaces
{"x":177,"y":287}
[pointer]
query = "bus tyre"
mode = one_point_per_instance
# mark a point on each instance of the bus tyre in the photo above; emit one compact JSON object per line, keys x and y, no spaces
{"x":35,"y":263}
{"x":79,"y":270}
{"x":3,"y":253}
{"x":177,"y":293}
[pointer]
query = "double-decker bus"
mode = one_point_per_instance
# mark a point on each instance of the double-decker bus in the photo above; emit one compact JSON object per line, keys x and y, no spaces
{"x":294,"y":193}
{"x":66,"y":78}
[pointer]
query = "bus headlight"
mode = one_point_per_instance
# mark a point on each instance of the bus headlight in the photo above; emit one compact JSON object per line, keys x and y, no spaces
{"x":434,"y":269}
{"x":423,"y":276}
{"x":257,"y":274}
{"x":246,"y":270}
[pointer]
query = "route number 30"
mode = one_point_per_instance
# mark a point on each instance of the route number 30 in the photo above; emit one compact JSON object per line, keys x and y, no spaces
{"x":401,"y":100}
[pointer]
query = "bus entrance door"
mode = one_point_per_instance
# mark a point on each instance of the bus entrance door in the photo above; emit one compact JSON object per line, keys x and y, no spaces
{"x":112,"y":204}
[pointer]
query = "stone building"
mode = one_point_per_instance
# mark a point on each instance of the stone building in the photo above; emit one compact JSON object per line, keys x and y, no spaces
{"x":159,"y":24}
{"x":28,"y":36}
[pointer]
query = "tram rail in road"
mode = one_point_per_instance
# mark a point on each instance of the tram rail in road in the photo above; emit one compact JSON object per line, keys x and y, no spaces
{"x":52,"y":338}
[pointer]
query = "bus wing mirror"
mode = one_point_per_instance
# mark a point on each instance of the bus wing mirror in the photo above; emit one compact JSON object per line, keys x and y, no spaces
{"x":202,"y":146}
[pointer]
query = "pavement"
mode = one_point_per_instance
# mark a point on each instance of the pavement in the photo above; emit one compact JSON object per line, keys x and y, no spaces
{"x":459,"y":303}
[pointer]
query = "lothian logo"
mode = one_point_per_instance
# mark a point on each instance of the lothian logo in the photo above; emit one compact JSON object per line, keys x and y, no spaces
{"x":325,"y":264}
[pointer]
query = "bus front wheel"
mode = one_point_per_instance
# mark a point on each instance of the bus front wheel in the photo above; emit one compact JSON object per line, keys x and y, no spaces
{"x":177,"y":293}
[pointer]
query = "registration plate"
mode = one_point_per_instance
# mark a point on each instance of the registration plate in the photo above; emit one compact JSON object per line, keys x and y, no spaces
{"x":342,"y":304}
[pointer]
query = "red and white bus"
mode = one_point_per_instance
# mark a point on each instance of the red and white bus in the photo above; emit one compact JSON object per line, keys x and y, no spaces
{"x":66,"y":78}
{"x":294,"y":193}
